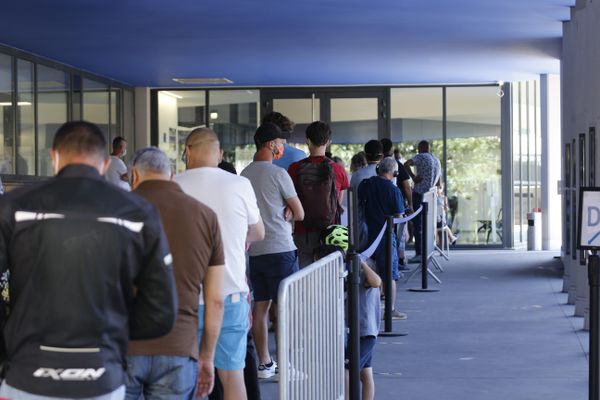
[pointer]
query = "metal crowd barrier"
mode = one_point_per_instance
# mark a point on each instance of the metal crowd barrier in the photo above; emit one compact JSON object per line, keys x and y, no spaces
{"x":310,"y":332}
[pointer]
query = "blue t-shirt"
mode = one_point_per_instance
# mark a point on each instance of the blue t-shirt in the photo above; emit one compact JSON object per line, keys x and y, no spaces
{"x":290,"y":156}
{"x":382,"y":198}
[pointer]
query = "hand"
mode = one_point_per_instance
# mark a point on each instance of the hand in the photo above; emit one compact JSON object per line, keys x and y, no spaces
{"x":206,"y":377}
{"x":288,"y":215}
{"x":409,"y":210}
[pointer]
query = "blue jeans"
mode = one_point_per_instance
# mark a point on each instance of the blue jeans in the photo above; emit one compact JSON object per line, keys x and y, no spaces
{"x":161,"y":377}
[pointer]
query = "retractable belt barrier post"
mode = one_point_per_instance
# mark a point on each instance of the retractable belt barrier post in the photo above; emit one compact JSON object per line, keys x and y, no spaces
{"x":353,"y":298}
{"x":594,"y":281}
{"x":388,"y":281}
{"x":425,"y":253}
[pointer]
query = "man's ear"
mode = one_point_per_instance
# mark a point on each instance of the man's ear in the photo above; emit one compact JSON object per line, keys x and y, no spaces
{"x":135,"y":178}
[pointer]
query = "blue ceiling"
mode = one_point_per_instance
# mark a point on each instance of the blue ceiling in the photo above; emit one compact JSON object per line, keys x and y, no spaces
{"x":301,"y":42}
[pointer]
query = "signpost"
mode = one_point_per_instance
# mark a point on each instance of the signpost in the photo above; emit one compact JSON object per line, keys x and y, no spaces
{"x":588,"y":238}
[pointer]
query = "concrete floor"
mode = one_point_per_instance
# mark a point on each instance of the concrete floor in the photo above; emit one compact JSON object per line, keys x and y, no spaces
{"x":498,"y":329}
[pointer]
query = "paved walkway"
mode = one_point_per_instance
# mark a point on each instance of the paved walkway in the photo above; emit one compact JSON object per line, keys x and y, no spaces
{"x":498,"y":329}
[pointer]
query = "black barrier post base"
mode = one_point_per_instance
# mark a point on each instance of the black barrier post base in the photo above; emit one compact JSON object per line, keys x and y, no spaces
{"x":388,"y":282}
{"x":594,"y":357}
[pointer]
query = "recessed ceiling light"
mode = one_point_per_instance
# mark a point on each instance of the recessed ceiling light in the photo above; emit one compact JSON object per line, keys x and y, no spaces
{"x":202,"y":81}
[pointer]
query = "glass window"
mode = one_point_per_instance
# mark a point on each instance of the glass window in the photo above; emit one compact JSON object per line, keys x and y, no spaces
{"x":179,"y":112}
{"x":474,"y":163}
{"x":6,"y":115}
{"x":416,"y":115}
{"x":303,"y":112}
{"x":25,"y":161}
{"x":354,"y":121}
{"x":95,"y":105}
{"x":53,"y":89}
{"x":234,"y":116}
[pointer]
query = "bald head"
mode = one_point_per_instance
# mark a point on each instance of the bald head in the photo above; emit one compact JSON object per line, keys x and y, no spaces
{"x":202,"y":148}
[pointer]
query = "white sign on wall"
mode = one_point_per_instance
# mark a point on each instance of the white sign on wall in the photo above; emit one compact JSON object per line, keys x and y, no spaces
{"x":589,"y":219}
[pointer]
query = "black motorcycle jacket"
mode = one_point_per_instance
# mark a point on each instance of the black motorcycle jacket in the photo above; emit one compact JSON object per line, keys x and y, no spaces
{"x":86,"y":267}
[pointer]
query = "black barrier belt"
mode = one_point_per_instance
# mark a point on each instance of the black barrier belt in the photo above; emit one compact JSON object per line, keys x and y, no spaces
{"x":371,"y":249}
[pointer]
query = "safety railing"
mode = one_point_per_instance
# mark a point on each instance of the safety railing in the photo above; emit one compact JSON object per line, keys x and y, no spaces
{"x":310,"y":331}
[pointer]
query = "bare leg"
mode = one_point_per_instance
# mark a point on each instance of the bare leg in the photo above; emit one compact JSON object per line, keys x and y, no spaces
{"x":368,"y":384}
{"x":234,"y":387}
{"x":260,"y":321}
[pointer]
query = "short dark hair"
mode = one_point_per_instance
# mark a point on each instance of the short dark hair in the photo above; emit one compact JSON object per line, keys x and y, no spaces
{"x":318,"y":133}
{"x":373,"y":150}
{"x":118,"y":142}
{"x":387,"y":146}
{"x":283,"y":122}
{"x":80,"y":137}
{"x":424,"y":144}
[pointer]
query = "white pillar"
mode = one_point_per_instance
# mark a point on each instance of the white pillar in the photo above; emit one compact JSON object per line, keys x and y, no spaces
{"x":551,"y":170}
{"x":142,"y":117}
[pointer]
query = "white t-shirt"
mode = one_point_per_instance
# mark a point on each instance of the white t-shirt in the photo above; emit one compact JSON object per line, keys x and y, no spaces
{"x":232,"y":198}
{"x":115,"y":170}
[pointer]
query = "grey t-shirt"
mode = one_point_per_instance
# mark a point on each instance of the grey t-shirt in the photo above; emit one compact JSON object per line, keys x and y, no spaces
{"x":363,"y":173}
{"x":272,"y":186}
{"x":370,"y":309}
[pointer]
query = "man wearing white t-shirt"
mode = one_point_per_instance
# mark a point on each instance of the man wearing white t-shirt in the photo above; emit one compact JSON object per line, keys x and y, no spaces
{"x":117,"y":170}
{"x":232,"y":198}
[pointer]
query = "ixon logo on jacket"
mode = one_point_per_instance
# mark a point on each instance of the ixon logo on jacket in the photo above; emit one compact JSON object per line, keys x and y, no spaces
{"x":70,"y":374}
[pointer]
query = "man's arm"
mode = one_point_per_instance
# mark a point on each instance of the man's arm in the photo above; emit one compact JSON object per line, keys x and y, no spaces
{"x":371,"y":278}
{"x":5,"y":235}
{"x":294,"y":210}
{"x":407,"y":193}
{"x":256,"y":232}
{"x":408,"y":164}
{"x":213,"y":319}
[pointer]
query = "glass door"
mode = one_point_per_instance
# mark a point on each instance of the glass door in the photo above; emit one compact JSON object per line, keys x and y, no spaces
{"x":355,"y":116}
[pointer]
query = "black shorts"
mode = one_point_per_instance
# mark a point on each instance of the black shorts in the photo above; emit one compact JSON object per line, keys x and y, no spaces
{"x":268,"y":270}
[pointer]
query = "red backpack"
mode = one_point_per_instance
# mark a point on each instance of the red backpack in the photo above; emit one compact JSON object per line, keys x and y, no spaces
{"x":315,"y":184}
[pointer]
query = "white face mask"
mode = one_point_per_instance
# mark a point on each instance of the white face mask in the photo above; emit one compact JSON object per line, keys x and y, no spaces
{"x":56,"y":162}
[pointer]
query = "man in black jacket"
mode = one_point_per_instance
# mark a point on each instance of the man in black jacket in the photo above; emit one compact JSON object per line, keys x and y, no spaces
{"x":85,"y":267}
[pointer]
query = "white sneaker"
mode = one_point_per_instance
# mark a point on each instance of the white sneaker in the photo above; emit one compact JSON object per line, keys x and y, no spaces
{"x":267,"y":371}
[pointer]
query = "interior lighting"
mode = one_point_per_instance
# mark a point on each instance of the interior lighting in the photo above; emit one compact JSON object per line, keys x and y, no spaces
{"x":203,"y":81}
{"x":214,"y":115}
{"x":20,"y":103}
{"x":173,"y":95}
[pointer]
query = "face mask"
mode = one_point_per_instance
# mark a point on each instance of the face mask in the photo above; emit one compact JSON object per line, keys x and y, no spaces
{"x":278,"y":153}
{"x":124,"y":153}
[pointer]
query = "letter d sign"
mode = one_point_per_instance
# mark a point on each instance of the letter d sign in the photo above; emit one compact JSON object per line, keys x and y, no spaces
{"x":593,"y":216}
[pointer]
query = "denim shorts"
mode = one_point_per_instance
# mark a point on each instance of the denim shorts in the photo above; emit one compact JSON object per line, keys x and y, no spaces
{"x":161,"y":377}
{"x":367,"y":345}
{"x":230,"y":353}
{"x":268,"y":270}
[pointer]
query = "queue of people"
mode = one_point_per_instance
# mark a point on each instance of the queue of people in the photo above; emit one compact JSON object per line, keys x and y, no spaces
{"x":148,"y":294}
